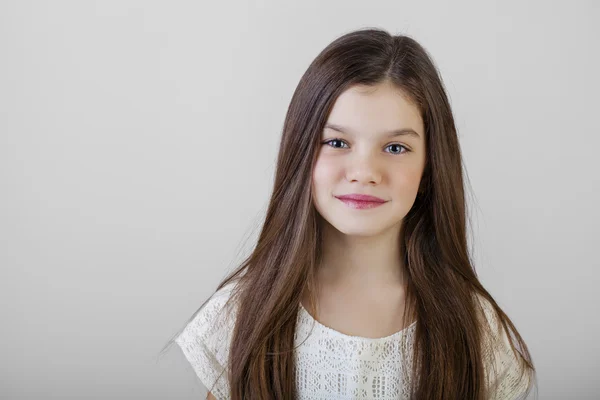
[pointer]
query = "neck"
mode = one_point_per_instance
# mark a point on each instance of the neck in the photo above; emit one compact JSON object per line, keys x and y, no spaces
{"x":365,"y":262}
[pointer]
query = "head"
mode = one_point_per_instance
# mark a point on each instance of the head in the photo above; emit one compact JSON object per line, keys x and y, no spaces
{"x":373,"y":143}
{"x":370,"y":116}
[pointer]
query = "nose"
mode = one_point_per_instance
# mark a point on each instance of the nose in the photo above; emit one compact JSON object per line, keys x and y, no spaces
{"x":363,"y":169}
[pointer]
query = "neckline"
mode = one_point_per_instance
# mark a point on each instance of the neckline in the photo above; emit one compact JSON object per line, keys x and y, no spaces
{"x":352,"y":337}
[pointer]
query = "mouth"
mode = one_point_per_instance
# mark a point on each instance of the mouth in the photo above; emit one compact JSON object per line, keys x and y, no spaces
{"x":361,"y":201}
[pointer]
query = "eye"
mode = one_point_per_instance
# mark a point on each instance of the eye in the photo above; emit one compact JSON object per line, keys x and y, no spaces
{"x":406,"y":150}
{"x":327,"y":142}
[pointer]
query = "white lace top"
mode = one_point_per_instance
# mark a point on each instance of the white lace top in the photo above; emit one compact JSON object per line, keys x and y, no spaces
{"x":332,"y":365}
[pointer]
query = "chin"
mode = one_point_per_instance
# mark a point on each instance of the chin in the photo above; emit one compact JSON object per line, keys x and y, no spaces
{"x":358,"y":227}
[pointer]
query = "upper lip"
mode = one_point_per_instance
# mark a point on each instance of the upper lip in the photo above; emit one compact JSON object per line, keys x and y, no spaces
{"x":361,"y":197}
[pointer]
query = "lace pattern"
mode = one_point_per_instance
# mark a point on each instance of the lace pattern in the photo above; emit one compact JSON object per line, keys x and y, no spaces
{"x":331,"y":365}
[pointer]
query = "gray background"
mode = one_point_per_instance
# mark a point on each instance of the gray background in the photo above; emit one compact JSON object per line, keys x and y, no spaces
{"x":137,"y":150}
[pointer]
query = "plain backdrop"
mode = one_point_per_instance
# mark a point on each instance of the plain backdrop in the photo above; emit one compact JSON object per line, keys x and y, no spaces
{"x":137,"y":149}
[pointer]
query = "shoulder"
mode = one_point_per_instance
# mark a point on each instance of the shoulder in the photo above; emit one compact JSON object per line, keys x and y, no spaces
{"x":205,"y":340}
{"x":507,"y":376}
{"x":212,"y":322}
{"x":488,"y":316}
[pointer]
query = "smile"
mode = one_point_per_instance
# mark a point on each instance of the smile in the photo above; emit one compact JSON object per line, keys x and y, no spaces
{"x":361,"y":204}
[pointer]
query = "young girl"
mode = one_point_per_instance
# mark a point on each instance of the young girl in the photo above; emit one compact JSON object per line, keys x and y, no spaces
{"x":361,"y":284}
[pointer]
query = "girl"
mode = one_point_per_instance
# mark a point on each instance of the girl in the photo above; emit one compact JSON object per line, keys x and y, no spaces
{"x":361,"y":285}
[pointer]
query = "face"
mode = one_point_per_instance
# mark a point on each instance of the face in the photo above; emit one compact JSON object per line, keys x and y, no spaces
{"x":360,"y":154}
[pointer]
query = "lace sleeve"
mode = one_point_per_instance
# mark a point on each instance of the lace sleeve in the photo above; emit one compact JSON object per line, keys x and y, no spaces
{"x":205,"y":344}
{"x":506,"y":378}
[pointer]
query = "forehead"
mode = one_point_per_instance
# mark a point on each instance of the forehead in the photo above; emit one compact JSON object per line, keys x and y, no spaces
{"x":372,"y":109}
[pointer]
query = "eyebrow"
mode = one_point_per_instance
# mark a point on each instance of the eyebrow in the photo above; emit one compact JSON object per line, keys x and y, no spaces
{"x":392,"y":133}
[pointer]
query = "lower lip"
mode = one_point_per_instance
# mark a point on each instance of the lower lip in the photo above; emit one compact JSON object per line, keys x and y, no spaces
{"x":361,"y":205}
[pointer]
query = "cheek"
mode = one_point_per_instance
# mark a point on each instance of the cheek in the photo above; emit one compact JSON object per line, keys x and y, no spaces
{"x":325,"y":173}
{"x":407,"y":179}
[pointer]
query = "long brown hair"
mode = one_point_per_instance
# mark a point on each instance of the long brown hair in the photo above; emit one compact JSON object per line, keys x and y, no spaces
{"x":441,"y":281}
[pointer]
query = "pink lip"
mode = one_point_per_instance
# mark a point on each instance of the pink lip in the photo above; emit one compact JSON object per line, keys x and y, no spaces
{"x":361,"y":201}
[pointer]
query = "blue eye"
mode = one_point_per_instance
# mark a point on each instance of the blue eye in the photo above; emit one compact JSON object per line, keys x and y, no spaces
{"x":406,"y":150}
{"x":333,"y":140}
{"x":398,"y":144}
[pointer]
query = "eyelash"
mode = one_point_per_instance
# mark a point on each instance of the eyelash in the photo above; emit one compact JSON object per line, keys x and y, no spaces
{"x":407,"y":150}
